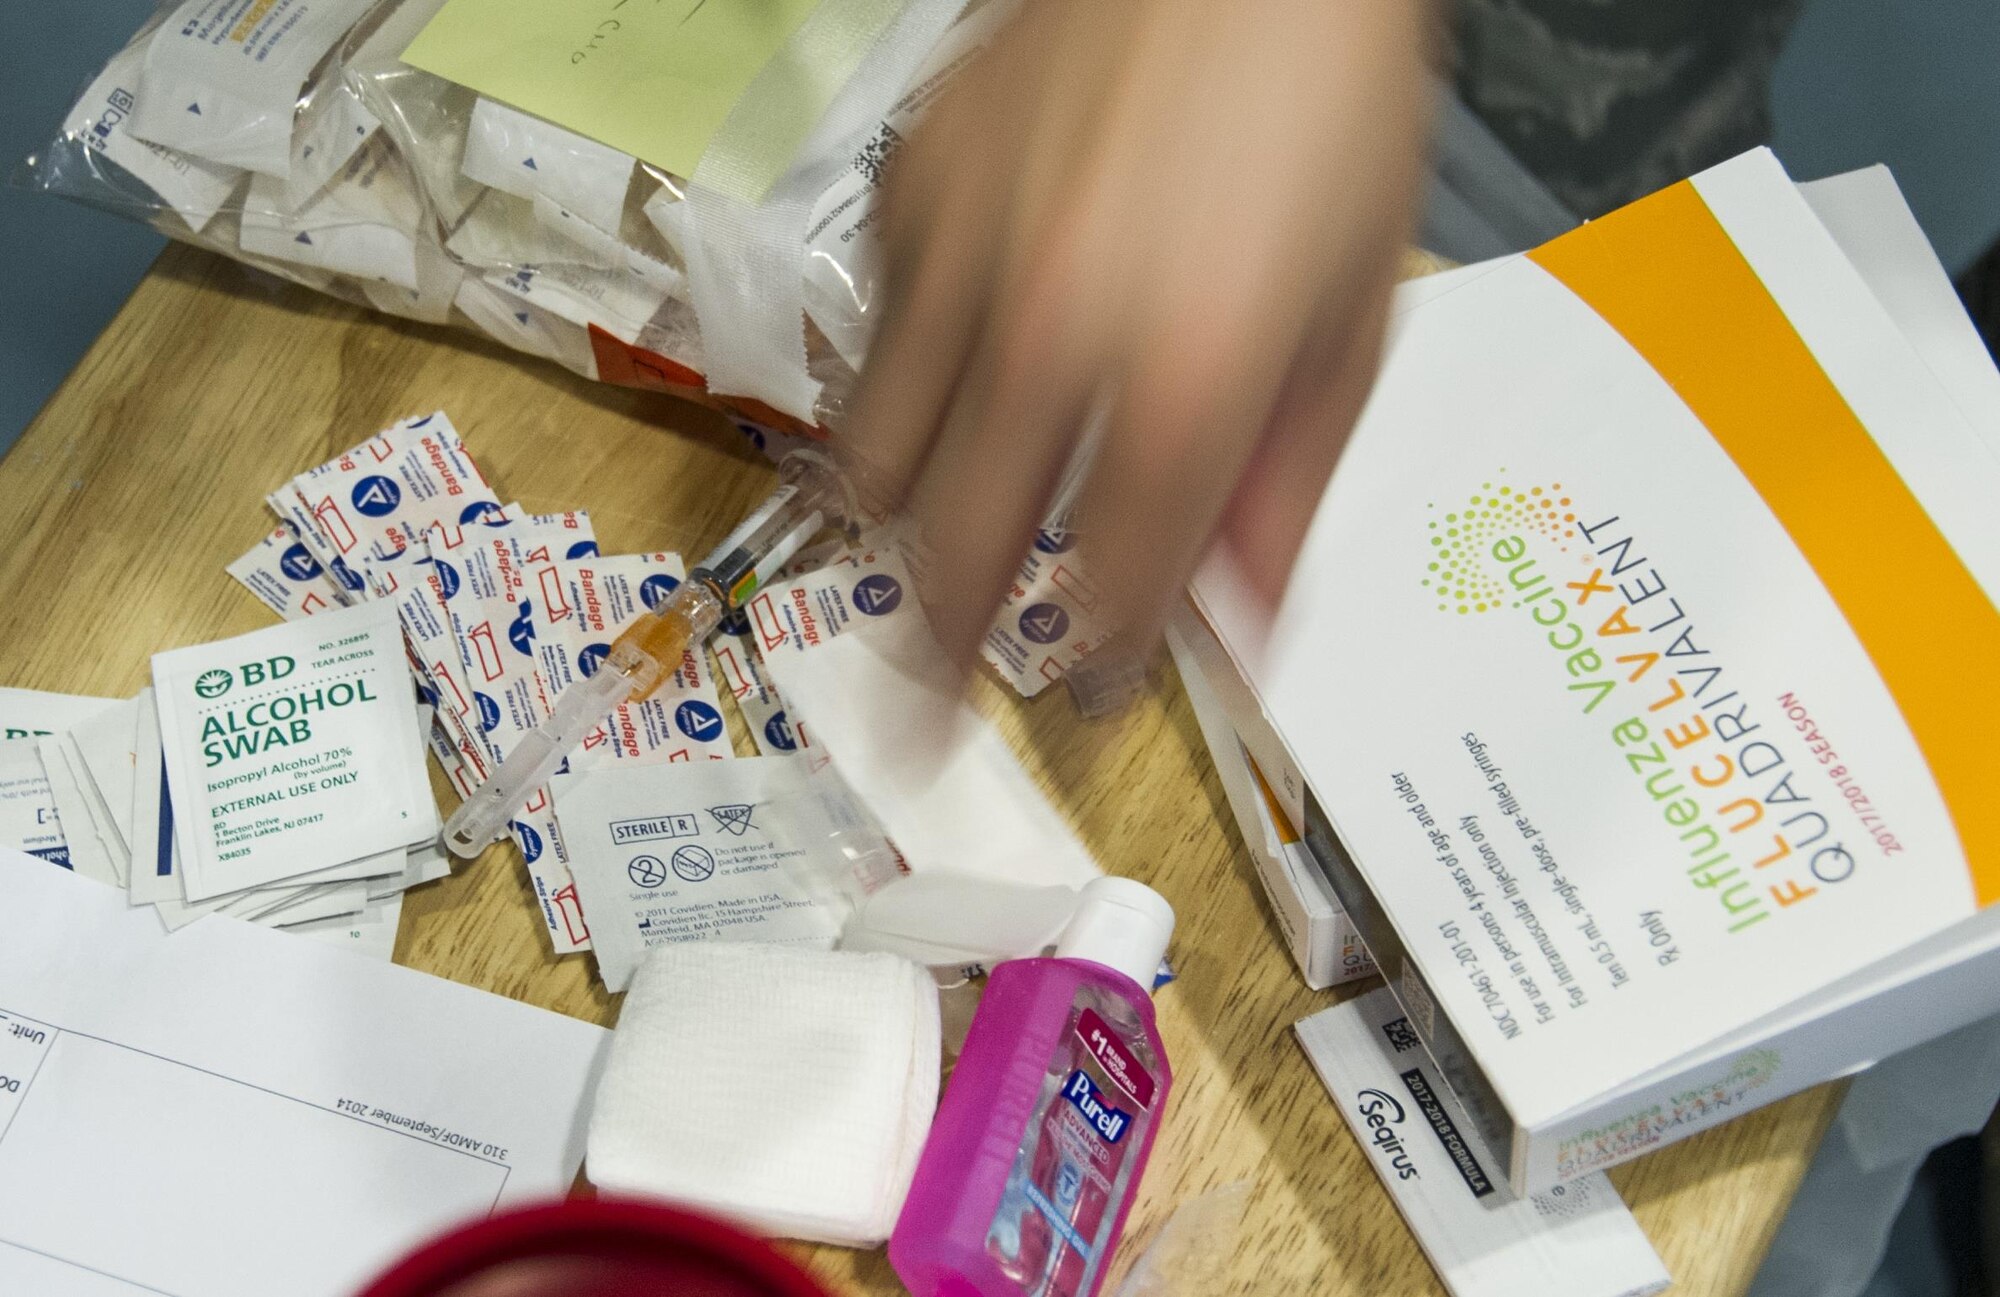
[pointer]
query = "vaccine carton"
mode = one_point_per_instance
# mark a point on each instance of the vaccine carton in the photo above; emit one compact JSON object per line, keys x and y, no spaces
{"x":1322,"y":940}
{"x":1631,"y":686}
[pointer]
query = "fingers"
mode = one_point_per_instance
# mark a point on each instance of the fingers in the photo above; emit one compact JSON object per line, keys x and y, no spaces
{"x":963,"y":202}
{"x":1266,"y":520}
{"x":995,"y":464}
{"x":930,"y":319}
{"x":1186,"y":422}
{"x":1047,"y":250}
{"x":975,"y":392}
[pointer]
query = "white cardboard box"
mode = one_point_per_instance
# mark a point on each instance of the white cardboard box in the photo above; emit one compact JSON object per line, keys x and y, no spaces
{"x":1322,"y":939}
{"x":1592,"y":979}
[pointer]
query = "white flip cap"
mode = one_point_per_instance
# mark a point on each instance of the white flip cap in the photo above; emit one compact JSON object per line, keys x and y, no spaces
{"x":1122,"y":925}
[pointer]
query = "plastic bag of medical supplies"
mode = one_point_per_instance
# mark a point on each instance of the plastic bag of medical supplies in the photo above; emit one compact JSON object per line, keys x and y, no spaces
{"x":326,"y":160}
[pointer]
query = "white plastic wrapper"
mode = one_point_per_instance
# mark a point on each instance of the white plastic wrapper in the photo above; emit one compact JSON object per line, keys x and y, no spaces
{"x":224,"y":76}
{"x":363,"y":223}
{"x":528,"y":157}
{"x":101,"y":122}
{"x":288,"y":134}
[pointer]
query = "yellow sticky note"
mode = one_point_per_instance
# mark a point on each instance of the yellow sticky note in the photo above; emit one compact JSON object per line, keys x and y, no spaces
{"x":653,"y":78}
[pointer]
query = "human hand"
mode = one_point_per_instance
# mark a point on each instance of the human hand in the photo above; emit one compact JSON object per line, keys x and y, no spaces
{"x":1192,"y":212}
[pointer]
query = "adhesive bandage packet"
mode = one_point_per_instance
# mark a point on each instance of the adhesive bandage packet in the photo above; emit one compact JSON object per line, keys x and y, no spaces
{"x":31,"y":713}
{"x":1050,"y":618}
{"x":29,"y":820}
{"x":744,"y":850}
{"x":372,"y":503}
{"x":285,"y":576}
{"x":1576,"y":1239}
{"x":292,"y":748}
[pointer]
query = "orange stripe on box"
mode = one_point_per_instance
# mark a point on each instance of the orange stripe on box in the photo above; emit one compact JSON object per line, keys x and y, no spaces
{"x":1287,"y":835}
{"x":1665,"y":274}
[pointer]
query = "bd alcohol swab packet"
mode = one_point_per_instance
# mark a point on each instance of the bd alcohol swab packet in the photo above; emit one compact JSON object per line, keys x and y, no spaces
{"x":372,"y":932}
{"x":28,"y":819}
{"x":90,"y":853}
{"x":292,"y":749}
{"x":104,"y":752}
{"x":421,"y":864}
{"x":30,"y":713}
{"x":156,"y":874}
{"x":89,"y":826}
{"x":321,"y":901}
{"x":156,"y":877}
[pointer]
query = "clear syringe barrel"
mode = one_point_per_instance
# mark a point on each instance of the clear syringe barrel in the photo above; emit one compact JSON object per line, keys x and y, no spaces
{"x":811,"y":496}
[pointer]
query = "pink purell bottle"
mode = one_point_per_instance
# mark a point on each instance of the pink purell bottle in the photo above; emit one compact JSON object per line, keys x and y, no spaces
{"x":1045,"y":1128}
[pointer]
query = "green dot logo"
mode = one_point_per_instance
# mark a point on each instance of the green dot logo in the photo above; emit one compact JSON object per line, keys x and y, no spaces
{"x":1458,"y":570}
{"x":212,"y":684}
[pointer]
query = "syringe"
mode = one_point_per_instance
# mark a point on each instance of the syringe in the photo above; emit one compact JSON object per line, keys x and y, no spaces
{"x":811,"y":496}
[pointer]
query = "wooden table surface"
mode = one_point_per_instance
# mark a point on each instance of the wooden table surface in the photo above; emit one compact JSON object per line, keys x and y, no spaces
{"x":146,"y":474}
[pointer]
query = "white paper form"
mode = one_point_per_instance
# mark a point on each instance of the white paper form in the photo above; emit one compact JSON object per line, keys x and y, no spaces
{"x":324,"y":1112}
{"x":27,"y":807}
{"x":29,"y":713}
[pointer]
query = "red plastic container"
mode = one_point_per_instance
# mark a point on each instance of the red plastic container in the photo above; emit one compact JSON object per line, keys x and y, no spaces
{"x":596,"y":1248}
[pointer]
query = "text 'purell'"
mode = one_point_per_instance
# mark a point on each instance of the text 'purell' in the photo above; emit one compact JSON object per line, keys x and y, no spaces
{"x":1109,"y":1122}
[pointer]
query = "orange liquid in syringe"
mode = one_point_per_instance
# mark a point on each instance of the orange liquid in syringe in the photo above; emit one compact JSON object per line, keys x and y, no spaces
{"x":664,"y":638}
